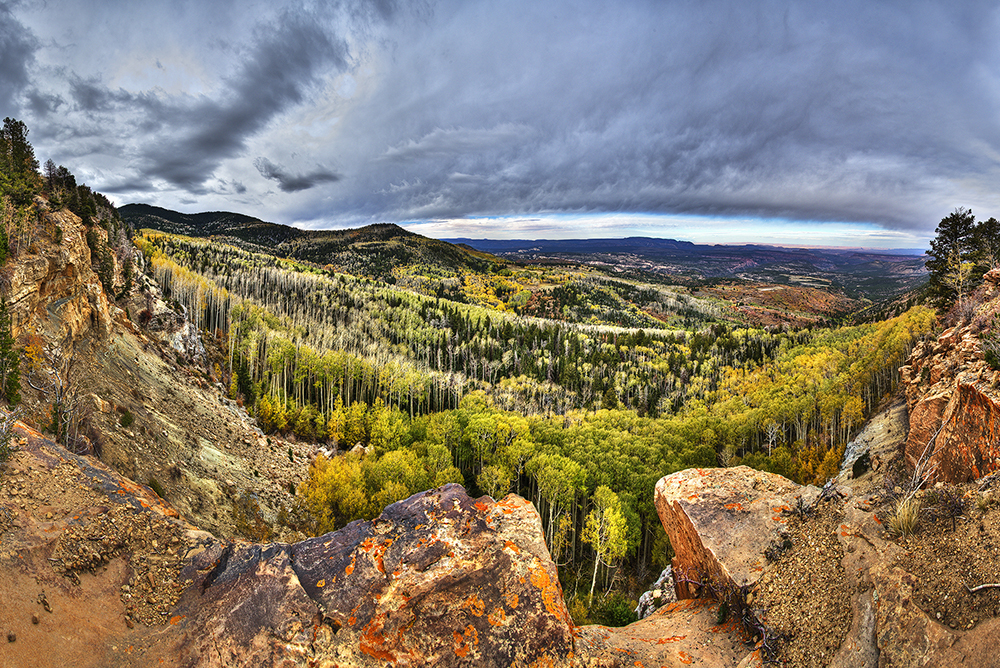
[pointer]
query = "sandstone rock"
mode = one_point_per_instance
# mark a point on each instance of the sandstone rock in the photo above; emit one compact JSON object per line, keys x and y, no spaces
{"x":721,"y":521}
{"x":680,"y":634}
{"x":906,"y":636}
{"x":438,"y":579}
{"x":661,"y":593}
{"x":859,"y":649}
{"x":963,"y":423}
{"x":56,"y":288}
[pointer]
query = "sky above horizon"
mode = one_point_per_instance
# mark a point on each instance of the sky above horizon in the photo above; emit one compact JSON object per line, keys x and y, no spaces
{"x":853,"y":123}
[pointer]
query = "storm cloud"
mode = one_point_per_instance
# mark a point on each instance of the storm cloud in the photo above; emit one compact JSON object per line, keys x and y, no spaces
{"x":291,"y":183}
{"x":884,"y":114}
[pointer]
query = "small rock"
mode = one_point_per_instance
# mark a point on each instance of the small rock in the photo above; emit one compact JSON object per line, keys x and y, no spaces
{"x":34,"y":619}
{"x":11,"y":636}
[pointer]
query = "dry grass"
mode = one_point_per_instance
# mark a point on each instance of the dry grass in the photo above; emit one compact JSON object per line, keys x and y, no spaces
{"x":906,"y":518}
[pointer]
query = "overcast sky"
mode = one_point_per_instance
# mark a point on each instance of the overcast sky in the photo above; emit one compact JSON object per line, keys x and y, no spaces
{"x":841,"y":123}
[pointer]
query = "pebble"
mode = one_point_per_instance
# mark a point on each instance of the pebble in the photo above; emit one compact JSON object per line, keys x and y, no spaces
{"x":11,"y":636}
{"x":34,"y":619}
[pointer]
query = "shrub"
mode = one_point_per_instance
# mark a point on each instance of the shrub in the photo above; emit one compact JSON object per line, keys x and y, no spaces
{"x":127,"y":419}
{"x":155,"y":485}
{"x":615,"y":610}
{"x":904,"y":521}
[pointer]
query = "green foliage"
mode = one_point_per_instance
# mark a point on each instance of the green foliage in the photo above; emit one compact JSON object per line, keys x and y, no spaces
{"x":100,"y":255}
{"x":127,"y":419}
{"x":10,"y":359}
{"x":19,"y":178}
{"x":606,"y":530}
{"x":951,"y":254}
{"x":615,"y":610}
{"x":440,"y":391}
{"x":155,"y":485}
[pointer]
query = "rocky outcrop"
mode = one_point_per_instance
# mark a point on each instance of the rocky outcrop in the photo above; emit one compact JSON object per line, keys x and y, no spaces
{"x":722,"y":521}
{"x":954,"y":405}
{"x":958,"y":431}
{"x":438,"y":579}
{"x":680,"y":634}
{"x":661,"y":593}
{"x":877,"y":444}
{"x":53,"y":287}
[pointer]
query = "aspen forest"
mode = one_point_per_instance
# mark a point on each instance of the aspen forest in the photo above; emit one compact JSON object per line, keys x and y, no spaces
{"x":406,"y":391}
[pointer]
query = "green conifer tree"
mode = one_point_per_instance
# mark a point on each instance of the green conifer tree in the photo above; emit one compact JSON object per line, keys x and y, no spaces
{"x":10,"y":358}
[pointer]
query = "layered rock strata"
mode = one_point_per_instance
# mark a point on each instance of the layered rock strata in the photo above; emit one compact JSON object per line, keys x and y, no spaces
{"x":722,"y":521}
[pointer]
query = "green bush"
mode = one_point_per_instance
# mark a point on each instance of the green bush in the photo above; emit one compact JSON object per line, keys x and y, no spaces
{"x":127,"y":419}
{"x":155,"y":485}
{"x":614,"y":610}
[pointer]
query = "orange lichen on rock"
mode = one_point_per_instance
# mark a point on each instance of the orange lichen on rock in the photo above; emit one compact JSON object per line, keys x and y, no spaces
{"x":465,"y":641}
{"x":551,"y":594}
{"x":544,"y":661}
{"x":475,"y":605}
{"x":497,"y":617}
{"x":508,"y":545}
{"x":372,"y":641}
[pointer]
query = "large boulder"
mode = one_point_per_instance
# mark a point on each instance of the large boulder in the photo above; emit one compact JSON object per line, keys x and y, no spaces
{"x":954,"y":432}
{"x":722,"y":521}
{"x":437,"y":579}
{"x":54,"y":288}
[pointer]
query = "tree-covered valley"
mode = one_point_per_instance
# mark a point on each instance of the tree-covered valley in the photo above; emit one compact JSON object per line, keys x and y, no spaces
{"x":403,"y":363}
{"x":407,"y":391}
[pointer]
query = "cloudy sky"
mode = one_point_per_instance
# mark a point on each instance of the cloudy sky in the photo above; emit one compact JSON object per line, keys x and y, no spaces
{"x":840,"y":123}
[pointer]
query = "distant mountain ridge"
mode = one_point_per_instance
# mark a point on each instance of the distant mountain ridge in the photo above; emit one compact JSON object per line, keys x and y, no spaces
{"x":858,"y":273}
{"x":378,"y":251}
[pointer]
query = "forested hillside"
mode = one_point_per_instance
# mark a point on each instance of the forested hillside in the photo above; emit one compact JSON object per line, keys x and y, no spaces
{"x":581,"y":419}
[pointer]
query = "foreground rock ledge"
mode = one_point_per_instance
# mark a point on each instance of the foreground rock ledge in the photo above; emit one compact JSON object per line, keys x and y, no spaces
{"x":438,"y":579}
{"x":721,"y":521}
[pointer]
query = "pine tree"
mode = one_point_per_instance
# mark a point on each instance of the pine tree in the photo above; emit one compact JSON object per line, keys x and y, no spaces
{"x":987,"y":241}
{"x":10,"y":358}
{"x":18,"y":163}
{"x":951,"y":252}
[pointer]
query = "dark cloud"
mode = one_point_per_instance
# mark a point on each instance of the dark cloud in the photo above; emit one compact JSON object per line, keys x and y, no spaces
{"x":17,"y":53}
{"x":291,"y":183}
{"x":285,"y":61}
{"x":853,"y":111}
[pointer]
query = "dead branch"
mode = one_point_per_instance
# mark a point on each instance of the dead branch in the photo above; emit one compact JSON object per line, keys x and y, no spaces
{"x":973,"y":590}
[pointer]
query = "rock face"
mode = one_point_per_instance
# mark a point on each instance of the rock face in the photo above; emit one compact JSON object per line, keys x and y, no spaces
{"x":957,"y":431}
{"x":721,"y":522}
{"x":55,"y":288}
{"x":954,"y":406}
{"x":661,"y":593}
{"x":878,"y":442}
{"x":438,"y":579}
